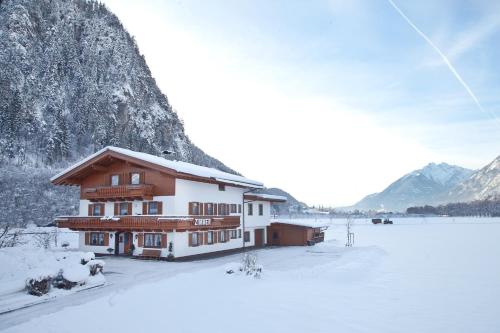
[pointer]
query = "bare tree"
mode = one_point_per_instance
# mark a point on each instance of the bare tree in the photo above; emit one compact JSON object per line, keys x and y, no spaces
{"x":9,"y":237}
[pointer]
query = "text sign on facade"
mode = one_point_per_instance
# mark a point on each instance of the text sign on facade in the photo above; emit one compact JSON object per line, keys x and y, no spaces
{"x":201,"y":221}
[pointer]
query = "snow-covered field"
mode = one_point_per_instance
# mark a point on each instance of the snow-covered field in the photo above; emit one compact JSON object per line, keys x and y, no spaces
{"x":418,"y":275}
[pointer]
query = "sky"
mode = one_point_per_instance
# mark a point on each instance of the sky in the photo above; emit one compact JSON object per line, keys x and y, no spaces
{"x":328,"y":100}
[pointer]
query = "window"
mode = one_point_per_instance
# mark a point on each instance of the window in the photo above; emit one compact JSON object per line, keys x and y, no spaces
{"x":96,"y":238}
{"x":194,"y":239}
{"x":222,"y":187}
{"x":195,"y":207}
{"x":135,"y":178}
{"x":152,"y":240}
{"x":222,"y":209}
{"x":222,"y":236}
{"x":153,"y":208}
{"x":239,"y":233}
{"x":239,"y":209}
{"x":250,"y":209}
{"x":123,"y":208}
{"x":233,"y":234}
{"x":247,"y":236}
{"x":233,"y":208}
{"x":115,"y":180}
{"x":210,"y":209}
{"x":261,"y":209}
{"x":210,"y":237}
{"x":96,"y":210}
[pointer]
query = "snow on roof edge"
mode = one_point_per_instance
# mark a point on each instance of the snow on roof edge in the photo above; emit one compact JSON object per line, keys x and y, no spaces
{"x":267,"y":196}
{"x":181,"y":167}
{"x":302,"y":223}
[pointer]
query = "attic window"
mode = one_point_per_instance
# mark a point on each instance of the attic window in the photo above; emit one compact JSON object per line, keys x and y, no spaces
{"x":222,"y":187}
{"x":115,"y":180}
{"x":135,"y":178}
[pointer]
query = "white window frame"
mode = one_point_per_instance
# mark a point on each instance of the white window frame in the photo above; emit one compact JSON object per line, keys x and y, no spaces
{"x":115,"y":180}
{"x":135,"y":178}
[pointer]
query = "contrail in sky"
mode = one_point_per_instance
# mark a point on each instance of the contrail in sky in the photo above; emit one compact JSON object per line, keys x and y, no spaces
{"x":446,"y":61}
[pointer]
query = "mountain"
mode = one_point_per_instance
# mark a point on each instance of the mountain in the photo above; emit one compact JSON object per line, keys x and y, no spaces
{"x":72,"y":80}
{"x":427,"y":185}
{"x":291,"y":205}
{"x":483,"y":184}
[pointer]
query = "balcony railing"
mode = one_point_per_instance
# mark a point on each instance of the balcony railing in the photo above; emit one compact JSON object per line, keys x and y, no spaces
{"x":148,"y":222}
{"x":121,"y":192}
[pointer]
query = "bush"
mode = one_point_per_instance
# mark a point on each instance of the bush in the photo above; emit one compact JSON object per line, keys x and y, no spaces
{"x":170,"y":257}
{"x":61,"y":283}
{"x":95,"y":266}
{"x":39,"y":285}
{"x":65,"y":245}
{"x":86,"y":257}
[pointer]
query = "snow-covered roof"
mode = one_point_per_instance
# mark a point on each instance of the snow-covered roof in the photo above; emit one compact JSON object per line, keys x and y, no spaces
{"x":303,"y":223}
{"x":181,"y":167}
{"x":266,"y":197}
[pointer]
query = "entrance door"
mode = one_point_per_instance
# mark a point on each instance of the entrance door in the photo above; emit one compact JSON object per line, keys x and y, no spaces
{"x":259,"y":237}
{"x":121,"y":243}
{"x":127,"y":242}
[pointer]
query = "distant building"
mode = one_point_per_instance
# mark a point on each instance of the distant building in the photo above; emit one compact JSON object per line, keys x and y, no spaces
{"x":143,"y":205}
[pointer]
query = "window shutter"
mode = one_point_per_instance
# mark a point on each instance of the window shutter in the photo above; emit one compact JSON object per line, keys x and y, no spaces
{"x":190,"y":243}
{"x":200,"y":238}
{"x":219,"y":208}
{"x":202,"y":210}
{"x":129,"y":208}
{"x":214,"y":235}
{"x":206,"y":238}
{"x":90,"y":210}
{"x":106,"y":239}
{"x":123,"y":179}
{"x":102,"y":209}
{"x":107,"y":180}
{"x":87,"y":238}
{"x":117,"y":208}
{"x":140,"y":240}
{"x":227,"y":235}
{"x":205,"y":209}
{"x":160,"y":207}
{"x":239,"y":209}
{"x":142,"y":178}
{"x":215,"y":208}
{"x":164,"y":241}
{"x":144,"y":208}
{"x":190,"y":208}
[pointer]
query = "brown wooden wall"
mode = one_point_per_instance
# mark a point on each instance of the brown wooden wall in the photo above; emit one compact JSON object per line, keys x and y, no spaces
{"x":288,"y":235}
{"x":163,"y":184}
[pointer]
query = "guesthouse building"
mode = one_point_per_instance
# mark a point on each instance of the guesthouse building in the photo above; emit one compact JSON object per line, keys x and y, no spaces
{"x":133,"y":203}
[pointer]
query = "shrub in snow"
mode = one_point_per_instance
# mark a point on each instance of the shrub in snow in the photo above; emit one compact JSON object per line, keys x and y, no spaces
{"x":170,"y":257}
{"x":86,"y":257}
{"x":95,"y":266}
{"x":249,"y":265}
{"x":38,"y":285}
{"x":43,"y":240}
{"x":110,"y":250}
{"x":65,"y":245}
{"x":61,"y":283}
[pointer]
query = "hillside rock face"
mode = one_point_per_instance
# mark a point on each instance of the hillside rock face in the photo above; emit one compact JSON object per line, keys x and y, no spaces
{"x":424,"y":186}
{"x":72,"y":81}
{"x":483,"y":184}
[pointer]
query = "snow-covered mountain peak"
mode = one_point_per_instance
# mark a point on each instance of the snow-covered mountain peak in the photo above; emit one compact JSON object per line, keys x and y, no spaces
{"x":443,"y":173}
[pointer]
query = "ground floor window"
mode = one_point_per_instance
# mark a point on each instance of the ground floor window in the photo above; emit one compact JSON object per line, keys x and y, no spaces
{"x":222,"y":236}
{"x":194,"y":240}
{"x":96,"y":238}
{"x":152,"y":240}
{"x":247,"y":236}
{"x":233,"y":234}
{"x":210,"y":237}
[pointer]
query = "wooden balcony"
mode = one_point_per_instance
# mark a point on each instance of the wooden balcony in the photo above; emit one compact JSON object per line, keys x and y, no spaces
{"x":116,"y":193}
{"x":148,"y":223}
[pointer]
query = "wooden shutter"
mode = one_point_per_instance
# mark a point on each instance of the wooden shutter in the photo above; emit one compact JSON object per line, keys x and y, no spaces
{"x":106,"y":239}
{"x":205,"y":209}
{"x":201,"y":209}
{"x":190,"y":208}
{"x":214,"y":236}
{"x":206,"y":238}
{"x":160,"y":207}
{"x":87,"y":238}
{"x":129,"y":208}
{"x":90,"y":210}
{"x":190,"y":241}
{"x":239,"y":209}
{"x":215,"y":208}
{"x":117,"y":208}
{"x":144,"y":208}
{"x":164,"y":241}
{"x":219,"y":208}
{"x":142,"y":177}
{"x":140,"y":240}
{"x":102,"y":209}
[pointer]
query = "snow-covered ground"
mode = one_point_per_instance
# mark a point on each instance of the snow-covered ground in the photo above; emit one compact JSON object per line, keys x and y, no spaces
{"x":418,"y":275}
